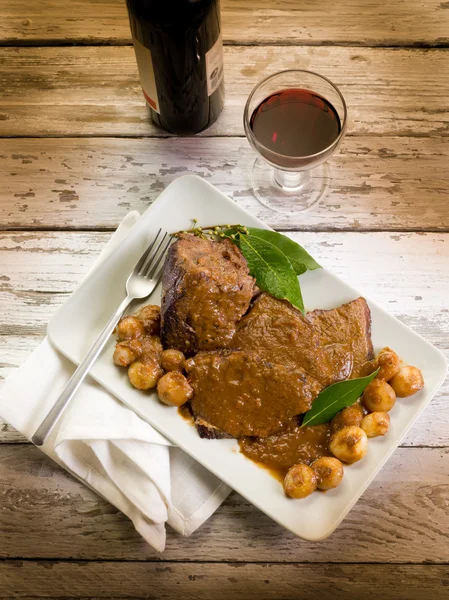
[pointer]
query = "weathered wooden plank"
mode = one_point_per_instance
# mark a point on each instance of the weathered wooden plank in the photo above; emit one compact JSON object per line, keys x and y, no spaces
{"x":38,"y":264}
{"x":244,"y":22}
{"x":377,"y":182}
{"x":401,"y":518}
{"x":32,"y":311}
{"x":202,"y":581}
{"x":95,"y":91}
{"x":49,"y":261}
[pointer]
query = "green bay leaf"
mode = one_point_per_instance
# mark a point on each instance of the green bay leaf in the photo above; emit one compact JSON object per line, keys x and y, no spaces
{"x":272,"y":269}
{"x":335,"y":398}
{"x":299,"y":258}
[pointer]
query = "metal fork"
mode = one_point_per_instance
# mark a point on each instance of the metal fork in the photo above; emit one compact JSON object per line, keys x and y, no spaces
{"x":141,"y":282}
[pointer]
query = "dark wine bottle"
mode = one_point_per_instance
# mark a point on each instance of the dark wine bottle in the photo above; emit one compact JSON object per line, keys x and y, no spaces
{"x":179,"y":54}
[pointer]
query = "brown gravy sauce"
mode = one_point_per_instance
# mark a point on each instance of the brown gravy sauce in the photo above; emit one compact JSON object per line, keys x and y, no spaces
{"x":278,"y":452}
{"x":186,"y":413}
{"x":293,"y":445}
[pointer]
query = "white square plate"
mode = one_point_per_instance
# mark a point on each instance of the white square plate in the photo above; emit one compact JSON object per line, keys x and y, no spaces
{"x":76,"y":325}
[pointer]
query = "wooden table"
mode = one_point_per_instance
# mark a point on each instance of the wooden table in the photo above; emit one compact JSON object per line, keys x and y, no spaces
{"x":78,"y":152}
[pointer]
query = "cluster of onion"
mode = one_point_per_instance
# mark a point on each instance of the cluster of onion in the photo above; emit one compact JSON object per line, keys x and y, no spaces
{"x":149,"y":366}
{"x":352,"y":427}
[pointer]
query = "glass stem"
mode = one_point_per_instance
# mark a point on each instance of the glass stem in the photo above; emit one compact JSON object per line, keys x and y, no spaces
{"x":291,"y":181}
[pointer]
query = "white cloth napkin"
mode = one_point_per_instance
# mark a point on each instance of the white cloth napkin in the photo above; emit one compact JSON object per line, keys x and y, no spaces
{"x":108,"y":447}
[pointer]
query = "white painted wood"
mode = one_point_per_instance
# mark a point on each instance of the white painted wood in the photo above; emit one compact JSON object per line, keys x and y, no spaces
{"x":376,"y":182}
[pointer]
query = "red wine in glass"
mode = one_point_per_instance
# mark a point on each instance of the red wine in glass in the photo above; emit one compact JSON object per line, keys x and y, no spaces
{"x":295,"y":123}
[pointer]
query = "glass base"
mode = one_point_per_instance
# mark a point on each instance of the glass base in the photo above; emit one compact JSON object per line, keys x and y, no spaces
{"x":286,"y":192}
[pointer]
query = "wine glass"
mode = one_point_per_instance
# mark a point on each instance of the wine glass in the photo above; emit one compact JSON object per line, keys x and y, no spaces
{"x":295,"y":120}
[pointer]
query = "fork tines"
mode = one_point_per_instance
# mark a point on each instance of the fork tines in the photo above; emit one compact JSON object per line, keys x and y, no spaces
{"x":151,"y":263}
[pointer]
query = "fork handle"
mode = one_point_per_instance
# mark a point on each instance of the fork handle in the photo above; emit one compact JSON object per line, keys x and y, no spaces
{"x":78,"y":376}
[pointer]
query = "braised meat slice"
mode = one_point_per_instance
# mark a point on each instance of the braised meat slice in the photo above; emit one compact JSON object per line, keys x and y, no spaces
{"x":210,"y":432}
{"x":206,"y":288}
{"x":277,"y":332}
{"x":241,"y":394}
{"x":350,"y":325}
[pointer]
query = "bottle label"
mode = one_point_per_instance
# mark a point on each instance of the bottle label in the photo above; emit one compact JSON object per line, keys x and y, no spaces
{"x":214,"y":66}
{"x":146,"y":73}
